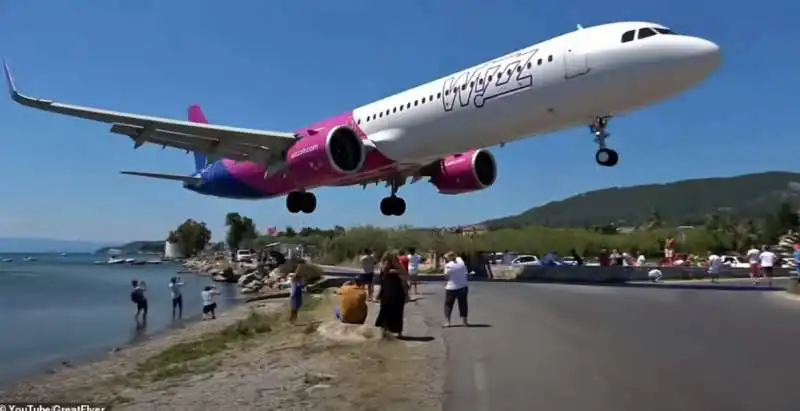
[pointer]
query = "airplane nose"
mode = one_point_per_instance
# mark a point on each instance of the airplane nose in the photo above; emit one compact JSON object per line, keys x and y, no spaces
{"x":703,"y":54}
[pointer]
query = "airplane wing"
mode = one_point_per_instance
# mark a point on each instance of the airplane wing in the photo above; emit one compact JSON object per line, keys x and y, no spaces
{"x":213,"y":140}
{"x":172,"y":177}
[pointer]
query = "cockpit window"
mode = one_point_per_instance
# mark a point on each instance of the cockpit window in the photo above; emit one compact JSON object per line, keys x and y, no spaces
{"x":628,"y":36}
{"x":646,"y":32}
{"x":663,"y":31}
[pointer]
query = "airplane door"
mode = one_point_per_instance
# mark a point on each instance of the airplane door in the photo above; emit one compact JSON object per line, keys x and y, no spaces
{"x":575,"y":64}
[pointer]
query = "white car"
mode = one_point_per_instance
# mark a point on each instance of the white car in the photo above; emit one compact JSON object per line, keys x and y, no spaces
{"x":526,"y":260}
{"x":733,"y":261}
{"x":244,"y":255}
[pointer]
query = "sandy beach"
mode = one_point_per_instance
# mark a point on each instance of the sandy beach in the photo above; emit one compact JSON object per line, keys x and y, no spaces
{"x":250,"y":357}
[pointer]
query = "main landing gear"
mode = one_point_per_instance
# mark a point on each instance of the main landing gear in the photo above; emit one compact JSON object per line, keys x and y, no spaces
{"x":298,"y":201}
{"x":393,"y":205}
{"x":606,"y":157}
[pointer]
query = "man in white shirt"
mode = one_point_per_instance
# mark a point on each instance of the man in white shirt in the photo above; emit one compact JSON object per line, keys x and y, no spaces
{"x":414,"y":260}
{"x":714,"y":267}
{"x":753,"y":260}
{"x":175,"y":291}
{"x":767,"y":260}
{"x":368,"y":263}
{"x":456,"y":288}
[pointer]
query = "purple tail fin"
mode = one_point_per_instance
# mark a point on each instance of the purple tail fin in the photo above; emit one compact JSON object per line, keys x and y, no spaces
{"x":196,"y":116}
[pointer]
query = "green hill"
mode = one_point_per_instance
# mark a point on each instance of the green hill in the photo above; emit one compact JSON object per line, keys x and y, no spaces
{"x":136,"y":247}
{"x":685,"y":202}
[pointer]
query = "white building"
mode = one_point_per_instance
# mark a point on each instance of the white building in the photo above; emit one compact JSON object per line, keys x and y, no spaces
{"x":171,"y":250}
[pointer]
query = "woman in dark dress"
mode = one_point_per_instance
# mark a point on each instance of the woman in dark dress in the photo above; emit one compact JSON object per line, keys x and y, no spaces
{"x":392,"y":294}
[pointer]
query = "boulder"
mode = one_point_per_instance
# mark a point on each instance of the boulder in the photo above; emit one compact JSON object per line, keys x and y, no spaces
{"x":349,"y":333}
{"x":247,"y":278}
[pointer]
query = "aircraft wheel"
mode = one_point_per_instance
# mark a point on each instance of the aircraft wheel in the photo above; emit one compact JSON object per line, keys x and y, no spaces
{"x":606,"y":157}
{"x":386,"y":206}
{"x":309,"y":203}
{"x":395,"y":206}
{"x":294,"y":202}
{"x":399,"y":206}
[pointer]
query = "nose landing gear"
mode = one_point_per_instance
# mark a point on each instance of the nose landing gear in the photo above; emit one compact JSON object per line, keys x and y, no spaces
{"x":298,"y":201}
{"x":393,"y":205}
{"x":605,"y":157}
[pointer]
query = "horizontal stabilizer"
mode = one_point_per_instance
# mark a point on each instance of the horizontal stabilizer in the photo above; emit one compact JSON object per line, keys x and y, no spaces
{"x":173,"y":177}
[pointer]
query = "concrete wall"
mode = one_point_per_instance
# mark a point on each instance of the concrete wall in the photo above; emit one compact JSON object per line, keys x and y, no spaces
{"x":595,"y":274}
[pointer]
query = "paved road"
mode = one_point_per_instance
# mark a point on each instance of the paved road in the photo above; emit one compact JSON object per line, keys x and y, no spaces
{"x":602,"y":348}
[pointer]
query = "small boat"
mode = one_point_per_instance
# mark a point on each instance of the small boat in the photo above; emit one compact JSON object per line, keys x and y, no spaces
{"x":29,"y":258}
{"x":112,"y":260}
{"x":135,"y":262}
{"x":7,"y":260}
{"x":130,"y":260}
{"x":153,"y":262}
{"x":63,"y":254}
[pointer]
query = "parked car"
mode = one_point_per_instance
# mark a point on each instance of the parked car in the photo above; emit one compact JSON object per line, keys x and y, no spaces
{"x":526,"y":259}
{"x":244,"y":256}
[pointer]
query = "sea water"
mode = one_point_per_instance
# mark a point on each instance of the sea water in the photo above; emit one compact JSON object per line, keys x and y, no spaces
{"x":66,"y":308}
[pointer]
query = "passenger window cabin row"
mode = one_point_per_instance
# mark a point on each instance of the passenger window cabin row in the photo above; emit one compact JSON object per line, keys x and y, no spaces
{"x":430,"y":98}
{"x":644,"y":33}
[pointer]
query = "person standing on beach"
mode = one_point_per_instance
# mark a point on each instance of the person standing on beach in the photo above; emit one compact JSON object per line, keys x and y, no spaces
{"x":295,"y":297}
{"x":368,"y":267}
{"x":209,"y":294}
{"x":177,"y":296}
{"x":137,"y":296}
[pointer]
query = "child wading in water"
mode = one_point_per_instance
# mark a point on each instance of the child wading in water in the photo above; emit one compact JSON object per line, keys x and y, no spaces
{"x":209,"y":305}
{"x":295,"y":297}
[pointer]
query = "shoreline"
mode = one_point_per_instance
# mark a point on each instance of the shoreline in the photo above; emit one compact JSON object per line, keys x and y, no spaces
{"x":84,"y":356}
{"x":122,"y":356}
{"x":252,"y":357}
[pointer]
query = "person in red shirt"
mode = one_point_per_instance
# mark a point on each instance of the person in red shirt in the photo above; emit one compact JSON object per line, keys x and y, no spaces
{"x":604,"y":259}
{"x":403,"y":256}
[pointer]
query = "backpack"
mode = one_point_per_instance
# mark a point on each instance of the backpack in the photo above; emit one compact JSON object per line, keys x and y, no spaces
{"x":136,"y":296}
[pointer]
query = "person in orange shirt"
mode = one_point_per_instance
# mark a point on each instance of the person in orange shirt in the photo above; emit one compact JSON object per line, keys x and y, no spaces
{"x":352,"y":303}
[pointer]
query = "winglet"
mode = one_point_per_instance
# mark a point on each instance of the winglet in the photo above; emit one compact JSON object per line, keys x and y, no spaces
{"x":19,"y":97}
{"x":12,"y":89}
{"x":579,"y":27}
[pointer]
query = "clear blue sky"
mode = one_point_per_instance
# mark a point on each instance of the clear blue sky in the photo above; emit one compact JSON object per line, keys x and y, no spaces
{"x":280,"y":65}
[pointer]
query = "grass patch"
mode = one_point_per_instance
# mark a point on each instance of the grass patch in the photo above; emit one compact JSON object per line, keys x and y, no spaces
{"x":196,"y":356}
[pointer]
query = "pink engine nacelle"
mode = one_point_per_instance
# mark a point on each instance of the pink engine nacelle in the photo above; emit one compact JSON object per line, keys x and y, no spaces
{"x":465,"y":172}
{"x":317,"y":158}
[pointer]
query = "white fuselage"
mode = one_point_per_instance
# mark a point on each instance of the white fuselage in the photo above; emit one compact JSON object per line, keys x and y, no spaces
{"x":563,"y":82}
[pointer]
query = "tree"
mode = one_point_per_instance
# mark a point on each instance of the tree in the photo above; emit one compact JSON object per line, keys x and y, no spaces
{"x":289,"y":232}
{"x":241,"y":231}
{"x":655,"y":221}
{"x":191,"y":237}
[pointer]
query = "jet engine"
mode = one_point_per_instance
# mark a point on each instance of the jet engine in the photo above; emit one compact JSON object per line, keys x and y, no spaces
{"x":465,"y":172}
{"x":318,"y":157}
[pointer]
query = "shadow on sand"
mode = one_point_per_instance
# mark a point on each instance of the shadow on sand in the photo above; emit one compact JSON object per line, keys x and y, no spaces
{"x":415,"y":339}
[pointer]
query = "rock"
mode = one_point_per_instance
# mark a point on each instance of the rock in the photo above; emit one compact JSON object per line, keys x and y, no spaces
{"x":314,"y":378}
{"x":219,"y":278}
{"x":317,"y":387}
{"x":350,"y":333}
{"x":247,"y":279}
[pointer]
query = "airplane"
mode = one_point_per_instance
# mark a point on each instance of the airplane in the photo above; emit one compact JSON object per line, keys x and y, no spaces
{"x":440,"y":129}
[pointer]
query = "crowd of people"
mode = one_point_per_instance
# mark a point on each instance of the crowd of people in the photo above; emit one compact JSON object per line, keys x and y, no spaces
{"x":397,"y":280}
{"x":138,"y":297}
{"x":762,"y":263}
